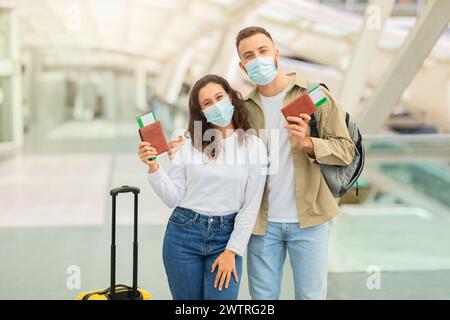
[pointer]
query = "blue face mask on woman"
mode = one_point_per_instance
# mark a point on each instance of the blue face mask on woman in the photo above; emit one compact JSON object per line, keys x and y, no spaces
{"x":262,"y":70}
{"x":221,"y":113}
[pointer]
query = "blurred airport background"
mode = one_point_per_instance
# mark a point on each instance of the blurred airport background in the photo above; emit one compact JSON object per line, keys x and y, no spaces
{"x":75,"y":73}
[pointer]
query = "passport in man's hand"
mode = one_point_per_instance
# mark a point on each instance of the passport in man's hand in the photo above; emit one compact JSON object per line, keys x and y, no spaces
{"x":303,"y":104}
{"x":154,"y":134}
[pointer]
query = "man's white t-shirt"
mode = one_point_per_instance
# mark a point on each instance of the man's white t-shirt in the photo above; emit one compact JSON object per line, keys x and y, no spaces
{"x":281,"y":182}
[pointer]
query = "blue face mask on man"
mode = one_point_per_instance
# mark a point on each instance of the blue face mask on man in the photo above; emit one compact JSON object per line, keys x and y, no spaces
{"x":262,"y":70}
{"x":221,"y":113}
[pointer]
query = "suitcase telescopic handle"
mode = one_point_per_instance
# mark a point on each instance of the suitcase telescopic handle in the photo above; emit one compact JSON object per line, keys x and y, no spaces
{"x":114,"y":192}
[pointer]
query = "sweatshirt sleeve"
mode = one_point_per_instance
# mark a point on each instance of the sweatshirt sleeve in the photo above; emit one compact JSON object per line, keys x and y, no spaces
{"x":170,"y":187}
{"x":246,"y":217}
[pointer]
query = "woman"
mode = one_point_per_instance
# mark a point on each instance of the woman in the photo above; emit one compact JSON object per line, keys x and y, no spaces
{"x":215,"y":185}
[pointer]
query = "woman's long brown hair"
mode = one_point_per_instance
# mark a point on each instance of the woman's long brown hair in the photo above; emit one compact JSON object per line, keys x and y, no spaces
{"x":239,"y":119}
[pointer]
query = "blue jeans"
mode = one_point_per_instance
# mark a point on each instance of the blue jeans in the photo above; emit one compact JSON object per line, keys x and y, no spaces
{"x":191,"y":245}
{"x":308,"y":252}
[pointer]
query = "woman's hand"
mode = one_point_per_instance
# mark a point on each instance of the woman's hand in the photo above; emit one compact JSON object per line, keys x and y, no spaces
{"x":226,"y":264}
{"x":146,"y":152}
{"x":174,"y":146}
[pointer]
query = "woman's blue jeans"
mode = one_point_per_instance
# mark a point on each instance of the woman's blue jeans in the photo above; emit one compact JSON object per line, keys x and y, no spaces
{"x":192,"y":243}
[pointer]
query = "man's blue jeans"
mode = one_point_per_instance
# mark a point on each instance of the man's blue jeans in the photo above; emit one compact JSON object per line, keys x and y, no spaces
{"x":191,"y":245}
{"x":308,"y":252}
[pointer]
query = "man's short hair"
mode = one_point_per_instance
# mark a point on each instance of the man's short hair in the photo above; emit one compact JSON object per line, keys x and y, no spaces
{"x":249,"y":32}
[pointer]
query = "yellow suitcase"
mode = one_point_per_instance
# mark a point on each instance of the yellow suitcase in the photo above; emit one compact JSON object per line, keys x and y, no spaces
{"x":120,"y":291}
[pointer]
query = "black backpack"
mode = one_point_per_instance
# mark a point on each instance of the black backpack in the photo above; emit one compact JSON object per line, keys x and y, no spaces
{"x":341,"y":178}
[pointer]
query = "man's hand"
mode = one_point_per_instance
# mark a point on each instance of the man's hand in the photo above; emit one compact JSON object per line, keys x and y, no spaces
{"x":226,"y":264}
{"x":297,"y":131}
{"x":174,"y":146}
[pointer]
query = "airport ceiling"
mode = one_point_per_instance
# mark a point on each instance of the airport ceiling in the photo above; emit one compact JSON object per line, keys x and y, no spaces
{"x":151,"y":28}
{"x":156,"y":29}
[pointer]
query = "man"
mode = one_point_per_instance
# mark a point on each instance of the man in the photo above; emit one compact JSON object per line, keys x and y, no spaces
{"x":297,"y":204}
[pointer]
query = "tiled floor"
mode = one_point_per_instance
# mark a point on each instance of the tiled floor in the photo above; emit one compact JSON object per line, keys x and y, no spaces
{"x":55,"y":213}
{"x":36,"y":261}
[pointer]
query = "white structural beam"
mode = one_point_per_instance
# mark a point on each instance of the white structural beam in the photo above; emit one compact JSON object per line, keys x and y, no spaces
{"x":427,"y":30}
{"x":227,"y":60}
{"x":232,"y":68}
{"x":355,"y":78}
{"x":11,"y":70}
{"x":182,"y":61}
{"x":178,"y":76}
{"x":16,"y":82}
{"x":448,"y":97}
{"x":140,"y":76}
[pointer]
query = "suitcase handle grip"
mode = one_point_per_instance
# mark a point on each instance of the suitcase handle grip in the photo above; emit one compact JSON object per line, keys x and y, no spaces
{"x":124,"y":189}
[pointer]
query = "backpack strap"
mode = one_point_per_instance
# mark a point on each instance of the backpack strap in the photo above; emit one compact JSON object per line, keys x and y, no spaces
{"x":313,"y":125}
{"x":315,"y":116}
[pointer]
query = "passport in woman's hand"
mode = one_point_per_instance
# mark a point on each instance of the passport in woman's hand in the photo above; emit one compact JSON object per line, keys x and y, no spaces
{"x":154,"y":134}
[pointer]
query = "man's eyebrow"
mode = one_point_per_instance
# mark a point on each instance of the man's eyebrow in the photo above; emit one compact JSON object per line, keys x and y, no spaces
{"x":262,"y":47}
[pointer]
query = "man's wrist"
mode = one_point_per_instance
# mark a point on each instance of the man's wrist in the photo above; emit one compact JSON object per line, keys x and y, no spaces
{"x":308,"y":146}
